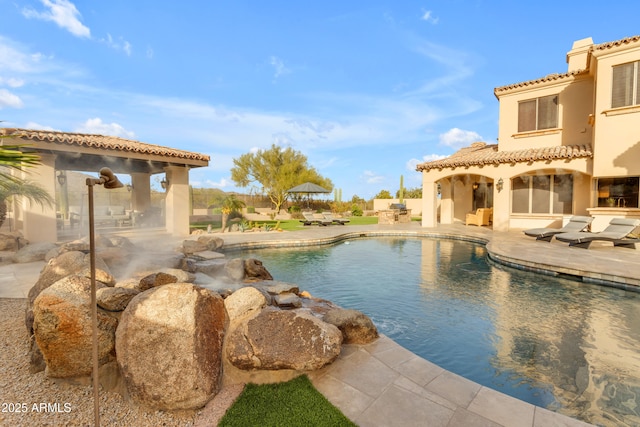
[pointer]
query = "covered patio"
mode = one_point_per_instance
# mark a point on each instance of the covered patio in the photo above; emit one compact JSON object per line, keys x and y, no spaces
{"x":61,"y":152}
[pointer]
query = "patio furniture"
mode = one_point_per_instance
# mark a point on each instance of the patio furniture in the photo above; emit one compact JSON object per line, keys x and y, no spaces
{"x":576,"y":223}
{"x":334,"y":220}
{"x":617,"y":231}
{"x":482,"y":216}
{"x":310,"y":218}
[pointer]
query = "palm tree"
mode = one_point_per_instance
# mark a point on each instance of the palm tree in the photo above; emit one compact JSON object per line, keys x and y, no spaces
{"x":22,"y":188}
{"x":230,"y":204}
{"x":12,"y":158}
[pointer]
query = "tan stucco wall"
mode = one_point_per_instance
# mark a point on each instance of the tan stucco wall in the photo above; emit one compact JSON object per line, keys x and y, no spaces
{"x":617,"y":132}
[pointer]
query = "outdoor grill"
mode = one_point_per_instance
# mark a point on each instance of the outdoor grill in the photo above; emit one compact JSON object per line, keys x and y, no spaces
{"x":397,"y":213}
{"x":400,"y":207}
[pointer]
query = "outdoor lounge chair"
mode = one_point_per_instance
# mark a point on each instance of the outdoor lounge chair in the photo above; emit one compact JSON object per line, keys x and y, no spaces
{"x":617,"y":232}
{"x":310,"y":218}
{"x":482,"y":216}
{"x":334,"y":220}
{"x":575,"y":224}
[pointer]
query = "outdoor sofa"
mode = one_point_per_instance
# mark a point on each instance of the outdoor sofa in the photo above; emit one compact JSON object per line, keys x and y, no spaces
{"x":617,"y":232}
{"x":482,"y":216}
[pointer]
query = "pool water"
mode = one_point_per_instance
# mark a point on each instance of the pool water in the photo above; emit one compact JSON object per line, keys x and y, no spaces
{"x":567,"y":346}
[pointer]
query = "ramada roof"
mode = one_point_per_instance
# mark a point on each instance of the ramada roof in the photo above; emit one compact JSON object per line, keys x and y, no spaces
{"x":102,"y":142}
{"x":481,"y":153}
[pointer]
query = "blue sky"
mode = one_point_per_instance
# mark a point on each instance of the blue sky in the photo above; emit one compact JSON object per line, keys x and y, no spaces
{"x":364,"y":89}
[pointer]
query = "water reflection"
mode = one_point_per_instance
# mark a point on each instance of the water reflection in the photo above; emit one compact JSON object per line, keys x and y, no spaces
{"x":564,"y":345}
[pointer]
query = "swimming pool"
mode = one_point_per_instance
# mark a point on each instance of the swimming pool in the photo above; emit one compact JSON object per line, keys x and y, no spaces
{"x":556,"y":343}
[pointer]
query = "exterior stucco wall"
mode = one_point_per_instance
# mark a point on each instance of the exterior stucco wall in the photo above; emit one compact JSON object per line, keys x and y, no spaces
{"x":616,"y":147}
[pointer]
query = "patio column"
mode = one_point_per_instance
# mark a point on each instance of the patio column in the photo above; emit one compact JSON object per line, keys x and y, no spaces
{"x":39,"y":222}
{"x":446,"y":201}
{"x":177,"y":200}
{"x":141,"y":192}
{"x":429,"y":202}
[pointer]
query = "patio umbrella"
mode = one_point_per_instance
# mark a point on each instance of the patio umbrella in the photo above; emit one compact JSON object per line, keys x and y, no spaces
{"x":308,"y":188}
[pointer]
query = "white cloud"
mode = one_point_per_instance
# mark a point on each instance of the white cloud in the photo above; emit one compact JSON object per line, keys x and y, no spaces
{"x":371,"y":177}
{"x":120,"y":44}
{"x":223,"y":183}
{"x":412,"y":163}
{"x":96,"y":126}
{"x":8,"y":99}
{"x":428,"y":16}
{"x":279,"y":67}
{"x":63,"y":13}
{"x":458,"y":138}
{"x":34,"y":125}
{"x":11,"y":82}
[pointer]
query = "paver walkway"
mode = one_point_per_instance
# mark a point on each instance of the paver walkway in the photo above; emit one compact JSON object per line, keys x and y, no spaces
{"x":383,"y":384}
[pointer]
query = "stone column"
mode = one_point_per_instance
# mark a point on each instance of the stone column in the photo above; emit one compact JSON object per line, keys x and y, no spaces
{"x":501,"y":204}
{"x":177,"y":200}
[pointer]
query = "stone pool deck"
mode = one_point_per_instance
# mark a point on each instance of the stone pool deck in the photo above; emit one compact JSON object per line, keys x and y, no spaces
{"x":383,"y":383}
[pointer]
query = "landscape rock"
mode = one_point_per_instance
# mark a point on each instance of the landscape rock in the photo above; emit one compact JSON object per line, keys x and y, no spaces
{"x":33,"y":252}
{"x":254,"y":270}
{"x":63,"y":328}
{"x":277,"y":339}
{"x":156,"y":279}
{"x":192,"y":246}
{"x":244,"y":301}
{"x":68,"y":263}
{"x":212,"y":243}
{"x":115,"y":299}
{"x":287,"y":300}
{"x":356,"y":327}
{"x":12,"y":241}
{"x":169,"y":346}
{"x":180,"y":275}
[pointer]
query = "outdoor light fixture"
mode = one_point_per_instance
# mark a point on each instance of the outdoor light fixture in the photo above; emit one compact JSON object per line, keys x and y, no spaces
{"x":62,"y":178}
{"x":129,"y":188}
{"x":110,"y":181}
{"x":164,"y":183}
{"x":499,"y":185}
{"x":475,"y":185}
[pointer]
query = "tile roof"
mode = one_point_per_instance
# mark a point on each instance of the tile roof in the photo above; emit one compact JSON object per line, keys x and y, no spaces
{"x":557,"y":76}
{"x":102,"y":142}
{"x":609,"y":45}
{"x":481,"y":153}
{"x":548,"y":78}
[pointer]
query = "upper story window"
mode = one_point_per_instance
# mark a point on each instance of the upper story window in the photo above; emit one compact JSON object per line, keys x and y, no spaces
{"x":626,"y":85}
{"x":537,"y":114}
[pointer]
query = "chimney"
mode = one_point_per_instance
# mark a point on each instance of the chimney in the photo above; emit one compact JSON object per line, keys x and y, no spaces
{"x":577,"y":56}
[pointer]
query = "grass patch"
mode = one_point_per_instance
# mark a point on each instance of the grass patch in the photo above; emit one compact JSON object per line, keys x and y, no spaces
{"x":292,"y":403}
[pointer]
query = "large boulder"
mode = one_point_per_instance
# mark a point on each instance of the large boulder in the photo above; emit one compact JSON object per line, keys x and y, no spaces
{"x":68,"y":263}
{"x":356,"y":327}
{"x":33,"y":252}
{"x":212,"y":243}
{"x":169,"y":346}
{"x":156,"y":279}
{"x":278,"y":339}
{"x":63,"y":328}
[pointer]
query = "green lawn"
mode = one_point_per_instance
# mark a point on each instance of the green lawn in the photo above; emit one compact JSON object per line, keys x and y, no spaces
{"x":292,"y":403}
{"x":291,"y":224}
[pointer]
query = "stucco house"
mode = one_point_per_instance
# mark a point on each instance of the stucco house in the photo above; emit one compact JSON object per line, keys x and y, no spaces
{"x":568,"y":144}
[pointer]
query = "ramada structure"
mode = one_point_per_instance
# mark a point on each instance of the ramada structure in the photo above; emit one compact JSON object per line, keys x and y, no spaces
{"x":60,"y":152}
{"x":568,"y":144}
